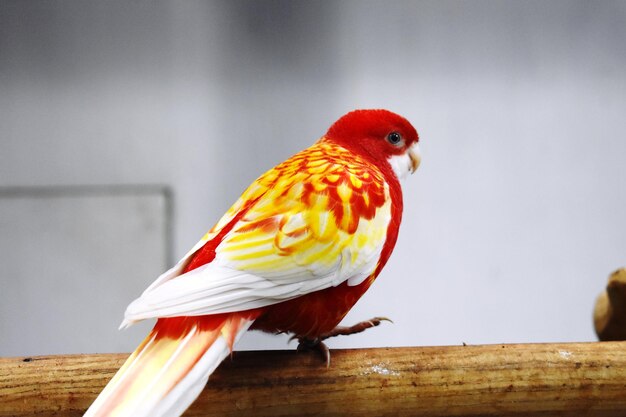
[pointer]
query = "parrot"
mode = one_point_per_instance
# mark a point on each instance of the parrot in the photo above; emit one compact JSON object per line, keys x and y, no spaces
{"x":292,"y":255}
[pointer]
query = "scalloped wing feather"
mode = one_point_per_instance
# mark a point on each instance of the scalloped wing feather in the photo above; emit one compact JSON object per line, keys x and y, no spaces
{"x":316,"y":220}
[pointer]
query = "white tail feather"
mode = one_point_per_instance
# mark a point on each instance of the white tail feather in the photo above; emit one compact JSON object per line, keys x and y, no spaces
{"x":164,"y":376}
{"x":185,"y":392}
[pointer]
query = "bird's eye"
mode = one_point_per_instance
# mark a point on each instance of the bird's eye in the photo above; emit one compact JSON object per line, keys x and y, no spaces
{"x":394,"y":138}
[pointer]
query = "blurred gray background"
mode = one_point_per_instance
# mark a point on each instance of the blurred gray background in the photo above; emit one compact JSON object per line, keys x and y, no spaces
{"x":128,"y":128}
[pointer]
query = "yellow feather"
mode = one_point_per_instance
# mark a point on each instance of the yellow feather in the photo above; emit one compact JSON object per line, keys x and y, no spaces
{"x":308,"y":237}
{"x":344,"y":191}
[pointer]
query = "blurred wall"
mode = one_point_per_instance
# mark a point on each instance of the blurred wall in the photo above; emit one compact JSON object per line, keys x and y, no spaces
{"x":511,"y":225}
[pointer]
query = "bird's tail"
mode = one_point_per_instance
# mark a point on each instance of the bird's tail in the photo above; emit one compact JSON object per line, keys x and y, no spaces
{"x":166,"y":373}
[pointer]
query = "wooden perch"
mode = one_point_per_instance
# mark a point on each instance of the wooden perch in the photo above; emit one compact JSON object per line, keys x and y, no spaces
{"x":570,"y":379}
{"x":609,"y":315}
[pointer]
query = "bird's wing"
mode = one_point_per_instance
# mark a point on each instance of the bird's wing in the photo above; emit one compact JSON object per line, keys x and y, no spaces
{"x":316,"y":220}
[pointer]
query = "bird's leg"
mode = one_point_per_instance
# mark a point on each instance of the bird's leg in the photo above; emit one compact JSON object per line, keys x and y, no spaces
{"x":319,"y":345}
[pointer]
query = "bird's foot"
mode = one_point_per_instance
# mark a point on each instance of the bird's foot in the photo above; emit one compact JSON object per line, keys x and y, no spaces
{"x":357,"y":328}
{"x":318,"y":344}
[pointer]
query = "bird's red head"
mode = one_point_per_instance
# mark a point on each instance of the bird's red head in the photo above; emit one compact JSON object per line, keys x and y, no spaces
{"x":380,"y":135}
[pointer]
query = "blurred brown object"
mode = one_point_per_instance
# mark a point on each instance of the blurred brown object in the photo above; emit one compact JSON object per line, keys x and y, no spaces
{"x":609,"y":315}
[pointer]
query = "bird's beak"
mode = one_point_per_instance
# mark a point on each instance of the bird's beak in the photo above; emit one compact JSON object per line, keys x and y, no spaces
{"x":416,"y":157}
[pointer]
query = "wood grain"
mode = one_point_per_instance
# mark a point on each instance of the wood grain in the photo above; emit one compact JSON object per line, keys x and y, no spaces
{"x":572,"y":379}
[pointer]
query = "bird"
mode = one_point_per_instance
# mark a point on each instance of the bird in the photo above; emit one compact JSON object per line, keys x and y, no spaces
{"x":292,"y":255}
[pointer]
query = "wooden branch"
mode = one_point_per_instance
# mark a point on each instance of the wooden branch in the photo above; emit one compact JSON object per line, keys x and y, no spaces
{"x":570,"y":379}
{"x":609,"y":314}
